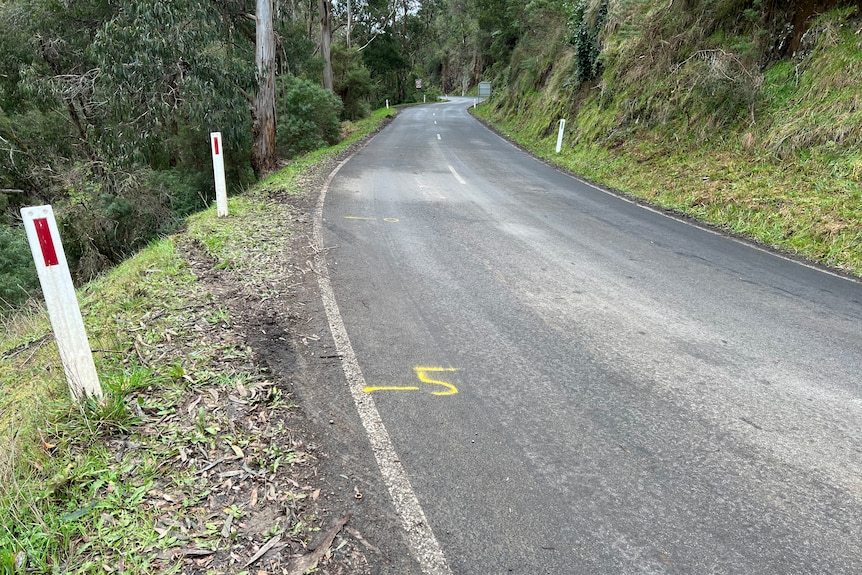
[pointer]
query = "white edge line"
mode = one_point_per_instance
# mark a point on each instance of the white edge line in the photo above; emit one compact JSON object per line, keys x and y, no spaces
{"x":457,"y":176}
{"x":423,"y":544}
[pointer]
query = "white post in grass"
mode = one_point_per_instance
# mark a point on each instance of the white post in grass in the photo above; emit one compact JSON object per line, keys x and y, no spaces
{"x":560,"y":135}
{"x":387,"y":103}
{"x":218,"y":172}
{"x":61,"y":301}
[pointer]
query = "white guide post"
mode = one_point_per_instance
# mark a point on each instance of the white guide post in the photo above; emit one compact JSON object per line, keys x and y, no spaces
{"x":218,"y":172}
{"x":62,"y":302}
{"x":560,"y":135}
{"x":387,"y":103}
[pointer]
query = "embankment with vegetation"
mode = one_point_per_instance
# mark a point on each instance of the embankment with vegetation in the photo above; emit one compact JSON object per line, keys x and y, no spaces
{"x":197,"y":456}
{"x":743,"y":114}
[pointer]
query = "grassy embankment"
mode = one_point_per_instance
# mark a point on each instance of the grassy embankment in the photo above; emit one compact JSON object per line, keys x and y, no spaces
{"x":99,"y":488}
{"x":686,"y":117}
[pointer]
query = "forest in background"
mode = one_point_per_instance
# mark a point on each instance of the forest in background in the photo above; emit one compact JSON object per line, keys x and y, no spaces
{"x":106,"y":106}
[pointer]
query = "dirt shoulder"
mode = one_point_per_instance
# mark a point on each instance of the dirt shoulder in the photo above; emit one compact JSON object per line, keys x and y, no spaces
{"x":265,"y":280}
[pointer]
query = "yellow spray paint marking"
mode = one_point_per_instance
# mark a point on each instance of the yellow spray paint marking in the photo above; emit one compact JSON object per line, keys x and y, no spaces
{"x":422,"y":374}
{"x":369,"y":389}
{"x":366,"y":219}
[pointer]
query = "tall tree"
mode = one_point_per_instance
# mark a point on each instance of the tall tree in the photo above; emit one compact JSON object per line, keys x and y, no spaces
{"x":326,"y":41}
{"x":263,"y":155}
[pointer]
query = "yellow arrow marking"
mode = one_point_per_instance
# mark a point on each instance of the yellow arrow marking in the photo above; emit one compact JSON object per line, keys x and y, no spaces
{"x":422,"y":374}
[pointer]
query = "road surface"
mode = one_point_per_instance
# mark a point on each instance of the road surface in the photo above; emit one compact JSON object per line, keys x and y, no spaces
{"x":634,"y":394}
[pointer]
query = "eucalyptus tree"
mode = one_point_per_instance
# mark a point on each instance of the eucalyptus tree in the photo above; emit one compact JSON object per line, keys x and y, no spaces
{"x":325,"y":8}
{"x":106,"y":109}
{"x":263,"y":155}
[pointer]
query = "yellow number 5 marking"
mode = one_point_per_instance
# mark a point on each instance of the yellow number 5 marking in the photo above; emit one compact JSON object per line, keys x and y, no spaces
{"x":422,"y":374}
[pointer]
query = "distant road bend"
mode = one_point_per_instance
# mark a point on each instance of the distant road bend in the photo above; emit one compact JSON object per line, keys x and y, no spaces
{"x":576,"y":384}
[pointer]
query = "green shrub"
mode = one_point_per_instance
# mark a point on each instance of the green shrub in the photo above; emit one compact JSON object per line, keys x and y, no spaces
{"x":585,"y":28}
{"x":103,"y":221}
{"x":308,"y":116}
{"x":355,"y":88}
{"x":353,"y":82}
{"x":18,"y":278}
{"x":188,"y":191}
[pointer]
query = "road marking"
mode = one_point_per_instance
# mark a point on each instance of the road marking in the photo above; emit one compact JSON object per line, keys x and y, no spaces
{"x":366,"y":219}
{"x":389,"y":388}
{"x":422,"y":543}
{"x":422,"y":374}
{"x":438,"y":137}
{"x":457,"y":177}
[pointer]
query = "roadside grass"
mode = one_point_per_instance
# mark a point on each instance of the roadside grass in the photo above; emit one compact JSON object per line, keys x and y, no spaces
{"x":787,"y":176}
{"x":68,"y":504}
{"x":129,"y":484}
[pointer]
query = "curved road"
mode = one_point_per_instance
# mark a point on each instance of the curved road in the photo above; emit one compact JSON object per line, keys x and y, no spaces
{"x":634,"y":394}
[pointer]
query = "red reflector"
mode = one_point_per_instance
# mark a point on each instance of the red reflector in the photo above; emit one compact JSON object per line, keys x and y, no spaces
{"x":43,"y":232}
{"x":215,"y":143}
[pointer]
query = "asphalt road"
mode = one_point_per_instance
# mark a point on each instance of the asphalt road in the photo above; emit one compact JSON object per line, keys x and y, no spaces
{"x":634,"y":394}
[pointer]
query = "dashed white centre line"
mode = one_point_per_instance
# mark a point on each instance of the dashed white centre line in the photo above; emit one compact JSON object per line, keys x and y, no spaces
{"x":457,"y":176}
{"x":438,"y":137}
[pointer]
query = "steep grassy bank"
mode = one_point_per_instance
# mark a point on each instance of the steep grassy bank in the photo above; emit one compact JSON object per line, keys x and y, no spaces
{"x":196,"y":459}
{"x":690,"y":111}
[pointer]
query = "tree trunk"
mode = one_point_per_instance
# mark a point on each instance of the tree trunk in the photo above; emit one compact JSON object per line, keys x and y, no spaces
{"x":350,"y":20}
{"x":263,"y":157}
{"x":326,"y":41}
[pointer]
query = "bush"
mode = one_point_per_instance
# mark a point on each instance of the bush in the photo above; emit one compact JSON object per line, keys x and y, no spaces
{"x":105,"y":220}
{"x":355,"y":88}
{"x":308,"y":116}
{"x":585,"y":30}
{"x":18,"y":278}
{"x":353,"y":82}
{"x":187,"y":191}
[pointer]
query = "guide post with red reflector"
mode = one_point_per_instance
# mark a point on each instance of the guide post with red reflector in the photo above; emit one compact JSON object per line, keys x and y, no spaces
{"x":62,"y":302}
{"x":218,"y":172}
